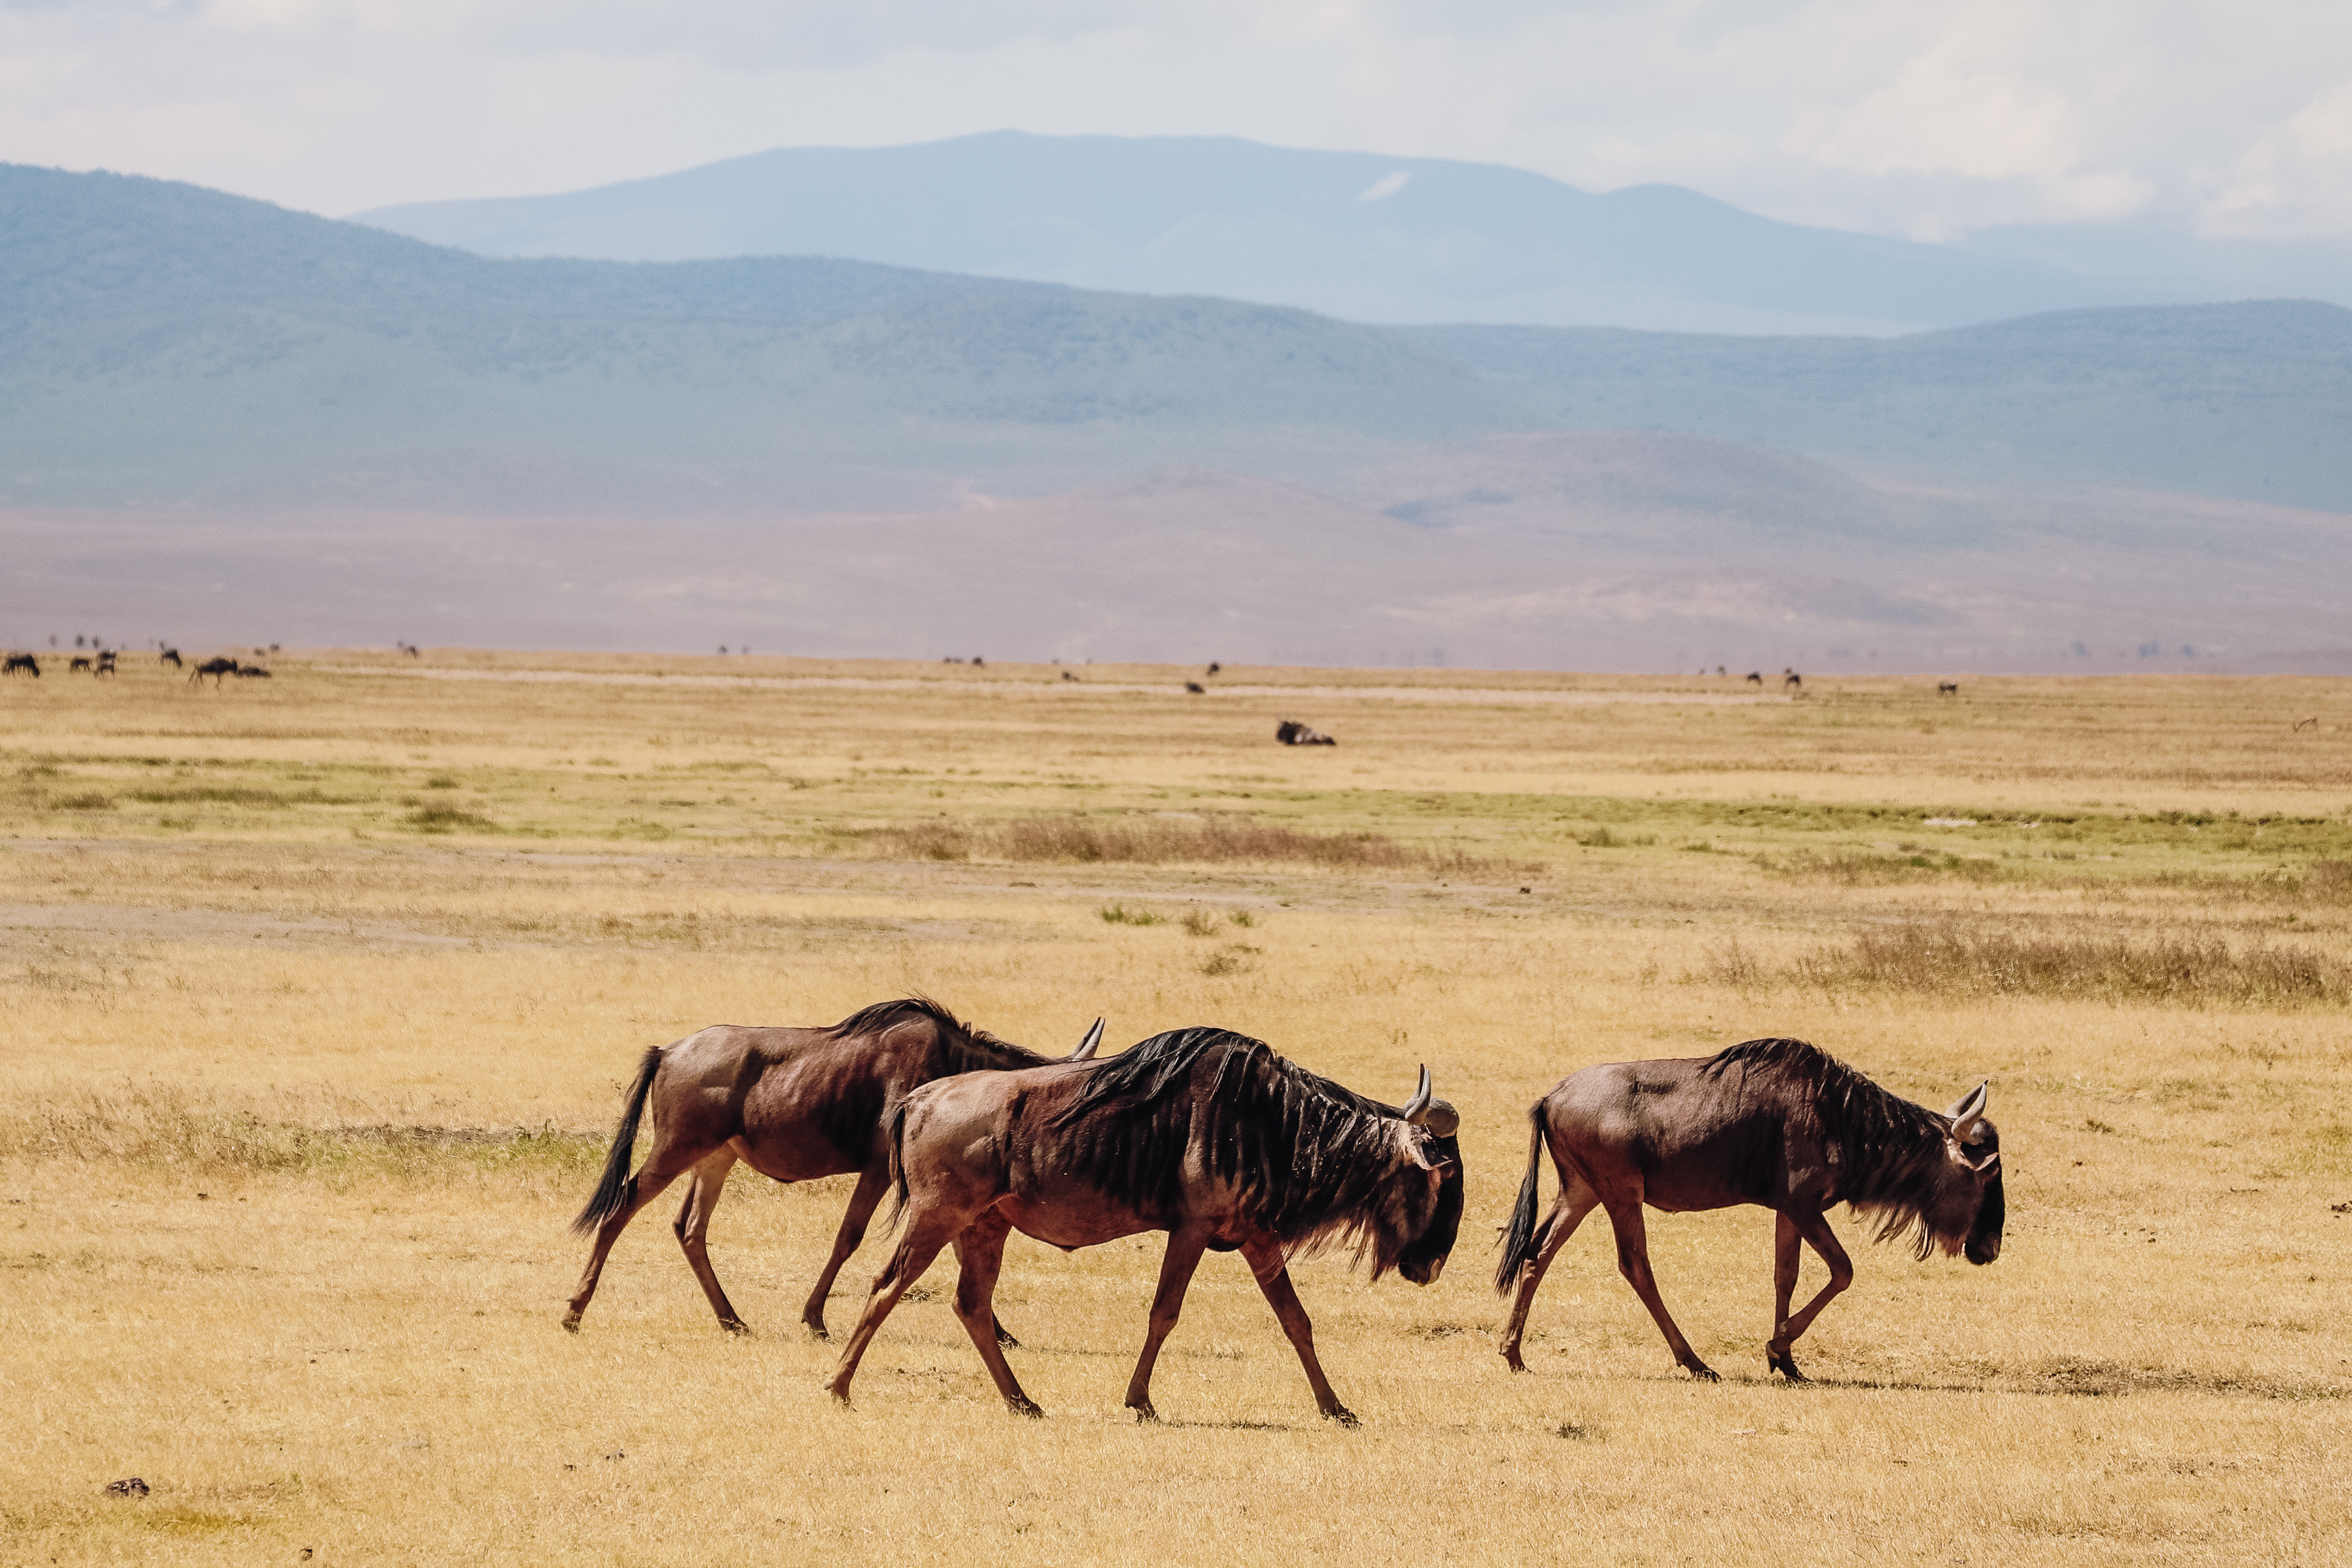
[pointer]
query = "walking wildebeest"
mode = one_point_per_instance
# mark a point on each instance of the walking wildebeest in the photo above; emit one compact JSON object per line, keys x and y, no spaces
{"x":24,"y":665}
{"x":793,"y":1104}
{"x":169,"y":656}
{"x":1290,"y":732}
{"x":215,"y":668}
{"x":1775,"y":1123}
{"x":76,"y":664}
{"x":105,"y":664}
{"x":1755,"y":677}
{"x":1201,"y":1132}
{"x":1790,"y":678}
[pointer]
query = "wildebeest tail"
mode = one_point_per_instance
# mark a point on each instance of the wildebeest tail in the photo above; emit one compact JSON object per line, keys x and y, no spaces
{"x":1520,"y":1240}
{"x":618,"y":1187}
{"x":895,"y":1129}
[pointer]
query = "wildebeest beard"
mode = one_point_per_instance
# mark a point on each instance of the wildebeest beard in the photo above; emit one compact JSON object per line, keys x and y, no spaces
{"x":1315,"y":1163}
{"x":1893,"y":1155}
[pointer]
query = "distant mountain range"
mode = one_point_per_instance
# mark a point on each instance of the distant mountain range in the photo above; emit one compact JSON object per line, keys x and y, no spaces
{"x":1356,"y":236}
{"x":196,"y":388}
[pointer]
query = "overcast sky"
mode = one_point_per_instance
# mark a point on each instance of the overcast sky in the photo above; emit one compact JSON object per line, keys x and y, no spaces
{"x":1898,"y":116}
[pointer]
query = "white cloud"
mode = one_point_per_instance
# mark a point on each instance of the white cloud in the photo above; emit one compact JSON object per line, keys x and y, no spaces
{"x":1875,"y":114}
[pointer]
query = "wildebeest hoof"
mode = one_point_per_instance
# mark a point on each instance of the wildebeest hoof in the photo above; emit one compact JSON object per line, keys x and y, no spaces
{"x":735,"y":1325}
{"x":1781,"y":1361}
{"x":1701,"y":1372}
{"x":1005,"y":1340}
{"x":130,"y":1486}
{"x":1028,"y":1407}
{"x":1144,"y":1413}
{"x":1345,"y":1417}
{"x":1511,"y":1359}
{"x":571,"y":1322}
{"x":816,"y":1330}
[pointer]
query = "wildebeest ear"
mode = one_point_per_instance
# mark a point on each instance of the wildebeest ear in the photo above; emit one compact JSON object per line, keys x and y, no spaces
{"x":1967,"y":1111}
{"x":1088,"y":1046}
{"x":1442,"y":1118}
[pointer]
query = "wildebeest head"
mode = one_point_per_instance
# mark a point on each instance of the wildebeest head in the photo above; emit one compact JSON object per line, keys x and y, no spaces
{"x":1420,"y":1211}
{"x":1968,"y":1210}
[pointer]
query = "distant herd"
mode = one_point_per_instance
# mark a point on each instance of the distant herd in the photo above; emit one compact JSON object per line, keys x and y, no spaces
{"x":101,"y":661}
{"x":1215,"y":1139}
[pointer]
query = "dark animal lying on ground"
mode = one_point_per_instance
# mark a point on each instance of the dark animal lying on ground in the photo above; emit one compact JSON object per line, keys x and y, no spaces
{"x":793,"y":1104}
{"x":1290,"y":732}
{"x":1775,"y":1123}
{"x":1201,"y":1132}
{"x":24,"y":665}
{"x":1067,"y":675}
{"x":1196,"y":688}
{"x":215,"y":668}
{"x":252,"y":672}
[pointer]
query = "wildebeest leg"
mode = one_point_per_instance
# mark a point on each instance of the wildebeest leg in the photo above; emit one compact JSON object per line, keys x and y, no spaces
{"x":981,"y":1252}
{"x":1265,"y":1261}
{"x":1576,"y":1200}
{"x":645,"y":1186}
{"x":872,"y":1183}
{"x":930,"y":1231}
{"x":1633,"y":1263}
{"x":1816,"y":1231}
{"x":702,"y":1190}
{"x":1183,"y":1256}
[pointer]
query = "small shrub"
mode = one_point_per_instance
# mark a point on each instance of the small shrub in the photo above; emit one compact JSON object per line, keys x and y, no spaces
{"x":934,"y":842}
{"x":1242,"y":917}
{"x":1120,"y":914}
{"x":1235,"y":960}
{"x":447,"y":819}
{"x":2329,"y":880}
{"x":1200,"y":923}
{"x":89,"y":800}
{"x":1956,"y":960}
{"x":441,"y":781}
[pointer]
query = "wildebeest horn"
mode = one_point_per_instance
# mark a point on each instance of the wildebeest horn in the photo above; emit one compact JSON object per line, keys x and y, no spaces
{"x":1967,"y":1111}
{"x":1088,"y":1046}
{"x":1418,"y":1106}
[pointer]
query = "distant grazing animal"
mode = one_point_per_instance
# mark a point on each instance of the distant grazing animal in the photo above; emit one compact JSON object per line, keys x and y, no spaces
{"x":24,"y":665}
{"x":1068,"y":676}
{"x":793,"y":1104}
{"x":1791,"y":680}
{"x":1718,"y":669}
{"x":978,"y":661}
{"x":1948,"y":688}
{"x":1290,"y":732}
{"x":1196,"y":688}
{"x":76,"y":664}
{"x":251,"y":672}
{"x":1775,"y":1123}
{"x":105,"y":664}
{"x":215,"y":668}
{"x":169,"y":656}
{"x":1215,"y":667}
{"x":1755,"y":677}
{"x":1204,"y":1134}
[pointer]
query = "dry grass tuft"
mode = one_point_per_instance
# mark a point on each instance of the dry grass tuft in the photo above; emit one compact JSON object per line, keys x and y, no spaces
{"x":1953,"y":960}
{"x":1157,"y":841}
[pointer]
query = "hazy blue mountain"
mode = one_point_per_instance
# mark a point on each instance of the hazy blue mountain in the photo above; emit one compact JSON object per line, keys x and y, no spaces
{"x":159,"y":341}
{"x":1352,"y":234}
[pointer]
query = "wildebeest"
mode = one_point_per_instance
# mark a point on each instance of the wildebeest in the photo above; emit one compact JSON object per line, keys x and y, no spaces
{"x":169,"y":656}
{"x":1290,"y":732}
{"x":24,"y":665}
{"x":215,"y":668}
{"x":1204,"y":1134}
{"x":252,"y":672}
{"x":1948,"y":688}
{"x":76,"y":664}
{"x":1776,"y":1122}
{"x":1196,"y":688}
{"x":105,"y":664}
{"x":1790,"y":679}
{"x":1068,"y":676}
{"x":793,"y":1104}
{"x":1214,"y":666}
{"x":1755,"y":677}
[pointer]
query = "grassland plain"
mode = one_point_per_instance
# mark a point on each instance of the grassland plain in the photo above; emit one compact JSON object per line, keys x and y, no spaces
{"x":318,"y":990}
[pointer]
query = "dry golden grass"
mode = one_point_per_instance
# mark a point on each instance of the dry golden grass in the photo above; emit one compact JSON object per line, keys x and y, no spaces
{"x":318,"y":992}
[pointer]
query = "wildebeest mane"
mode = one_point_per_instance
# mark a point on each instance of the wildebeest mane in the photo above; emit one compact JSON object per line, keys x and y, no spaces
{"x":1307,"y":1157}
{"x":1889,"y":1151}
{"x":960,"y":1046}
